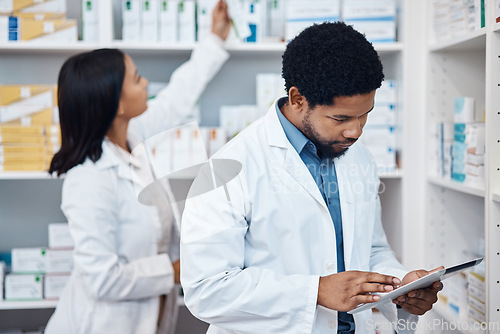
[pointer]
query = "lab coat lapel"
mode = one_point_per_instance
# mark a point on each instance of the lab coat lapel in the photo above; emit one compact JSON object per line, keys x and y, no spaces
{"x":296,"y":167}
{"x":346,"y":206}
{"x":293,"y":163}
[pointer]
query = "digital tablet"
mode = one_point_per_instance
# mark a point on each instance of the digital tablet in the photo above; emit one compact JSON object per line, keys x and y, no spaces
{"x":420,"y":283}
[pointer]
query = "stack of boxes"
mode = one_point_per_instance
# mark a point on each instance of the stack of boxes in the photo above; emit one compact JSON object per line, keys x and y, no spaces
{"x":183,"y":147}
{"x":59,"y":260}
{"x":454,"y":296}
{"x":41,"y":273}
{"x":454,"y":18}
{"x":28,"y":134}
{"x":476,"y":296}
{"x":374,"y":18}
{"x":467,"y":153}
{"x":302,"y":14}
{"x":269,"y":87}
{"x":458,"y":147}
{"x":254,"y":21}
{"x":379,"y":133}
{"x":36,"y":21}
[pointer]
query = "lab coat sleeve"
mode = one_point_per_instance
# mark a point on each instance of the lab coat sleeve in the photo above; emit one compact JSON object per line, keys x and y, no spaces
{"x":89,"y":203}
{"x":220,"y":289}
{"x":175,"y":104}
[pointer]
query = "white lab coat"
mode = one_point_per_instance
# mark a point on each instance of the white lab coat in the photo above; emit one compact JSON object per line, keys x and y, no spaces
{"x":259,"y":271}
{"x":118,"y":274}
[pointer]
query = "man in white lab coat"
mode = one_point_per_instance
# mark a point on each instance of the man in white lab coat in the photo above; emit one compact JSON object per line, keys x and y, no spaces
{"x":281,"y":232}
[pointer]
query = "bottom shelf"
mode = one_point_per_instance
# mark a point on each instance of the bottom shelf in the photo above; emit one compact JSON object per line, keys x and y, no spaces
{"x":26,"y":305}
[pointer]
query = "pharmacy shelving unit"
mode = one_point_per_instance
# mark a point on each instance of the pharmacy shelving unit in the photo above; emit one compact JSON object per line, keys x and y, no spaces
{"x":30,"y":201}
{"x":463,"y":221}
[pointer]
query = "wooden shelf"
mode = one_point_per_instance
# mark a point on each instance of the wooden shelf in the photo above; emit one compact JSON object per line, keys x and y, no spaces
{"x":457,"y":186}
{"x":470,"y":41}
{"x":26,"y":305}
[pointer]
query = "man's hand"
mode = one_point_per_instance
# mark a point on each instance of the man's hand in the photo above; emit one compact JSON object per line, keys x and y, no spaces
{"x":221,"y":23}
{"x":346,"y":290}
{"x":421,"y":300}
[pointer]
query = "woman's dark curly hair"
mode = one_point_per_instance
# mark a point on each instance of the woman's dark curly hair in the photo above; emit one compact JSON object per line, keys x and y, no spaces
{"x":329,"y":60}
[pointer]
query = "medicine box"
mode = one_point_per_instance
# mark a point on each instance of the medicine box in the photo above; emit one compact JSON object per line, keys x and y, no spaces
{"x":59,"y":261}
{"x":23,"y":287}
{"x":302,"y":14}
{"x":90,"y":28}
{"x":60,"y":236}
{"x":168,"y":24}
{"x":53,"y":285}
{"x":131,"y":15}
{"x":187,"y":21}
{"x":150,"y":16}
{"x":29,"y":260}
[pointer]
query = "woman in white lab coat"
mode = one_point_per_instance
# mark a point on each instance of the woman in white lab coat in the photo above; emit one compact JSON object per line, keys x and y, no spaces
{"x":125,"y":259}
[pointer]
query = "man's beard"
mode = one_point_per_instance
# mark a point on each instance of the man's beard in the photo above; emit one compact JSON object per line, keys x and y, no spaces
{"x":325,"y":147}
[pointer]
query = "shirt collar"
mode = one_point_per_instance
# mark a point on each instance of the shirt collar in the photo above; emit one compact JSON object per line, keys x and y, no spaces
{"x":296,"y":138}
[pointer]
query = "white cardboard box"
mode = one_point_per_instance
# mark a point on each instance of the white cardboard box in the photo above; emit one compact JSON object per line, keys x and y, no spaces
{"x":187,"y":22}
{"x":23,"y":287}
{"x":60,"y":236}
{"x":90,"y":27}
{"x":302,"y":14}
{"x":2,"y":276}
{"x":168,"y":24}
{"x":29,"y":260}
{"x":131,"y":15}
{"x":53,"y":285}
{"x":59,"y":261}
{"x":150,"y":16}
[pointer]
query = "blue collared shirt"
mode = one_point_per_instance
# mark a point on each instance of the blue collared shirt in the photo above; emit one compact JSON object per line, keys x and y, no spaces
{"x":323,"y":172}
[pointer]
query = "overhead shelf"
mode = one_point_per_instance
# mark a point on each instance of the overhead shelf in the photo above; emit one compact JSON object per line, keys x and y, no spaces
{"x":237,"y":48}
{"x":25,"y":176}
{"x":27,"y":305}
{"x":457,"y":186}
{"x":48,"y":47}
{"x":470,"y":41}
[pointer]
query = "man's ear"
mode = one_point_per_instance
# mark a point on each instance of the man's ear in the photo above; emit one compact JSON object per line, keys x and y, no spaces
{"x":296,"y":101}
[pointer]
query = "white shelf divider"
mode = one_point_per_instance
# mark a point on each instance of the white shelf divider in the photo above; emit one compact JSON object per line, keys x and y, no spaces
{"x":27,"y":305}
{"x":391,"y":175}
{"x":457,"y":186}
{"x":470,"y":41}
{"x":495,"y":197}
{"x":496,"y":26}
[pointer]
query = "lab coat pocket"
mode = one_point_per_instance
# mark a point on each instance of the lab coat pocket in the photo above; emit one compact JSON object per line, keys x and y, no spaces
{"x":364,"y":220}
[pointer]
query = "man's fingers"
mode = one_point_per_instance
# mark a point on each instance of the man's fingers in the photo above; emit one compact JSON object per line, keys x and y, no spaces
{"x":364,"y":299}
{"x":373,"y":287}
{"x":379,"y":278}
